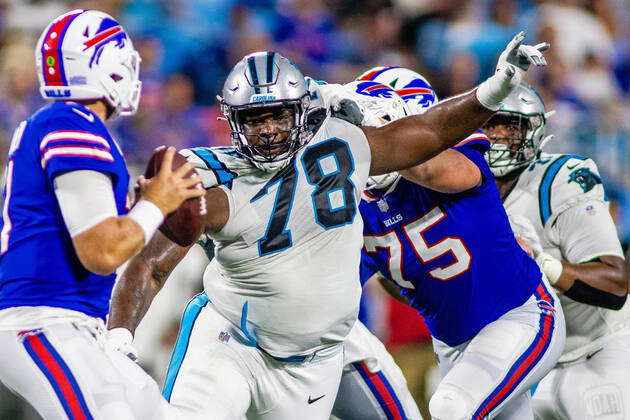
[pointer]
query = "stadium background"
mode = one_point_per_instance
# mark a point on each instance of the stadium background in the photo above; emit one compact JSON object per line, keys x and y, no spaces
{"x":188,"y":46}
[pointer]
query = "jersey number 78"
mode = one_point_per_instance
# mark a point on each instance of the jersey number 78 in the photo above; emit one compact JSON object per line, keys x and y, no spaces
{"x":277,"y":237}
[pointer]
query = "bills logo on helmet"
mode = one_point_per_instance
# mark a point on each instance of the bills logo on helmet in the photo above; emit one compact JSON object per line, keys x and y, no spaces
{"x":418,"y":91}
{"x":108,"y":31}
{"x":374,"y":89}
{"x":414,"y":89}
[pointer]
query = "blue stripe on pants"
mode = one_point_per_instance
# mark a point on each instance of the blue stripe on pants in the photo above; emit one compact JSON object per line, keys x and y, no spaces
{"x":192,"y":311}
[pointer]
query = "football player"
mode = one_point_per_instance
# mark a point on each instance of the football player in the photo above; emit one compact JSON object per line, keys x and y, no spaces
{"x":439,"y":233}
{"x":266,"y":340}
{"x":66,"y":227}
{"x":563,"y":198}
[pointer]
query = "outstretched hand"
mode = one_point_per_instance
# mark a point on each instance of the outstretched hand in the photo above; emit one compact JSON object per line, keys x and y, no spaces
{"x":513,"y":62}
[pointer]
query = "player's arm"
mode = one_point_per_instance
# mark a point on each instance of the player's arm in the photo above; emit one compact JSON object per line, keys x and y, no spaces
{"x":147,"y":272}
{"x":103,"y":240}
{"x":449,"y":172}
{"x":598,"y":280}
{"x":143,"y":278}
{"x":415,"y":139}
{"x":391,"y":289}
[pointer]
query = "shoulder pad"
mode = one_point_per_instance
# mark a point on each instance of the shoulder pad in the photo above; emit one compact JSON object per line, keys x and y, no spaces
{"x":568,"y":180}
{"x":216,"y":165}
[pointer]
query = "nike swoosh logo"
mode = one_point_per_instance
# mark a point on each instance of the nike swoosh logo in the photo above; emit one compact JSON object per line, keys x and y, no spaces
{"x":571,"y":167}
{"x":89,"y":117}
{"x":311,"y":401}
{"x":588,"y":356}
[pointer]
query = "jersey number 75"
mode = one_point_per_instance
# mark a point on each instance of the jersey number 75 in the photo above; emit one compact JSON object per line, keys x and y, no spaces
{"x":414,"y":231}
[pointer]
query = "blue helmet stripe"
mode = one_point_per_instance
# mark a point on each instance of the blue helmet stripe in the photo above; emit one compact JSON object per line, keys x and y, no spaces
{"x":251,"y":62}
{"x":270,"y":58}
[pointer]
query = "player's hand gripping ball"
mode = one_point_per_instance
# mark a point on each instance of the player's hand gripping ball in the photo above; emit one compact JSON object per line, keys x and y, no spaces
{"x":185,"y":224}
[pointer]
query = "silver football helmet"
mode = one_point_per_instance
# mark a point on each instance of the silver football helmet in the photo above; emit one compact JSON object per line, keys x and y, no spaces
{"x":517,"y":131}
{"x":263,"y":87}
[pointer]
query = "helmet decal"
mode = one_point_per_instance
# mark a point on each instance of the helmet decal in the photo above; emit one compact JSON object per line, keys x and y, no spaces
{"x":52,"y":70}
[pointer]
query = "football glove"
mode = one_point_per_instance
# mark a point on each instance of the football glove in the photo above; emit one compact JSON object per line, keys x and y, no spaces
{"x":513,"y":63}
{"x":121,"y":339}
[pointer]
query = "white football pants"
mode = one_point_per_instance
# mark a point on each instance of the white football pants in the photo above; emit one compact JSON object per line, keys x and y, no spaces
{"x":214,"y":374}
{"x":372,"y":386}
{"x":67,"y":371}
{"x":491,"y":375}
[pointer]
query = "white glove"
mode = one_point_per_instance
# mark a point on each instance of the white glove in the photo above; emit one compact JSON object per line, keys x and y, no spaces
{"x":121,"y":339}
{"x":549,"y":265}
{"x":513,"y":63}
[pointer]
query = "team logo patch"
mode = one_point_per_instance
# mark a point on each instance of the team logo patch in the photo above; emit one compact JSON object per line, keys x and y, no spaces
{"x":224,"y":336}
{"x":591,"y":210}
{"x":585,"y":178}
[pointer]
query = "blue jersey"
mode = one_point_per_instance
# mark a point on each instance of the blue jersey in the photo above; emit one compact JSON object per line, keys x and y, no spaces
{"x":38,"y":264}
{"x":453,"y":255}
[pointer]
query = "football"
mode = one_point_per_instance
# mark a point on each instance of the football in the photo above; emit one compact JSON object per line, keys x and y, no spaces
{"x":185,"y":224}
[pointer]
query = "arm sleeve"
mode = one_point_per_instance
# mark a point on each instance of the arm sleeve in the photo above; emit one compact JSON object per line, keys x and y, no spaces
{"x":586,"y":231}
{"x":368,"y":267}
{"x":85,"y":198}
{"x":474,"y":147}
{"x":73,"y":143}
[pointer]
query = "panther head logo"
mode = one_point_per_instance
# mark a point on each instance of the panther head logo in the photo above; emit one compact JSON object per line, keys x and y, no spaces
{"x":585,"y":178}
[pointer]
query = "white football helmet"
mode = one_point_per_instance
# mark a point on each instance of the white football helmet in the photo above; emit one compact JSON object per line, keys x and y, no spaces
{"x":86,"y":54}
{"x":411,"y":86}
{"x":414,"y":91}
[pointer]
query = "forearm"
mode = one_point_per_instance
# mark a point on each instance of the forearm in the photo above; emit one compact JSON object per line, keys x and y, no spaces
{"x":132,"y":296}
{"x":392,"y":290}
{"x":412,"y":140}
{"x":141,"y":281}
{"x":106,"y":246}
{"x":602,"y":284}
{"x":608,"y":277}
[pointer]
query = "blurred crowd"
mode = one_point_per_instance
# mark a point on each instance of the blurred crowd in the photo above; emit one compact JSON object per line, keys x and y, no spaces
{"x":188,"y":46}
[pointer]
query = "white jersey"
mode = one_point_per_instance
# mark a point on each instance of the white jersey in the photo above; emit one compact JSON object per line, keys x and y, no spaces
{"x":289,"y":254}
{"x":563,"y":197}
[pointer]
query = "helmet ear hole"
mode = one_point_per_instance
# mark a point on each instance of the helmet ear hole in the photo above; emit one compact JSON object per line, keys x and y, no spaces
{"x":116,"y":77}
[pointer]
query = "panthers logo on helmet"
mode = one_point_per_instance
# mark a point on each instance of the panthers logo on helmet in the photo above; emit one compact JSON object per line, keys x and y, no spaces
{"x":585,"y":178}
{"x":374,"y":89}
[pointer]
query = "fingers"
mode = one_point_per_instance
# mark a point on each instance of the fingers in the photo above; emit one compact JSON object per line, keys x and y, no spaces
{"x":167,"y":161}
{"x":193,"y":193}
{"x":183,"y":170}
{"x":190,"y":182}
{"x":543,"y":46}
{"x":142,"y":182}
{"x":516,"y":41}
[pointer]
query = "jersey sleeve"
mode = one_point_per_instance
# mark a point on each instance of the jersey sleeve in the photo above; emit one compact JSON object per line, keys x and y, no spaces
{"x":586,"y":231}
{"x":368,"y":267}
{"x":215,"y":167}
{"x":568,"y":181}
{"x":474,"y":147}
{"x":72,"y":143}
